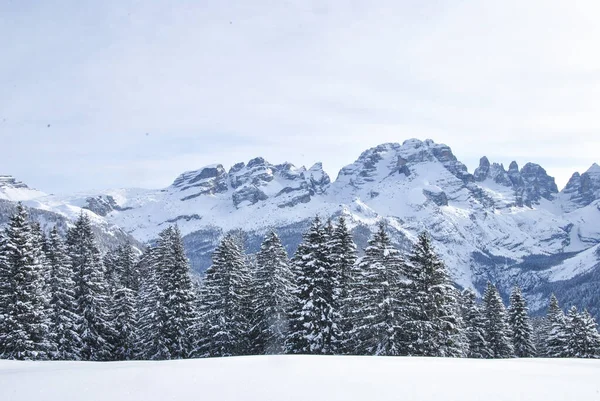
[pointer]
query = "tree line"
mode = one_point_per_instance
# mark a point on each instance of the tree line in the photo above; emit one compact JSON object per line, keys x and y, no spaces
{"x":60,"y":299}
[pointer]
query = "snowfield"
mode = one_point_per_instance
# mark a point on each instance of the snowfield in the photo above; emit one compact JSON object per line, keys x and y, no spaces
{"x":311,"y":378}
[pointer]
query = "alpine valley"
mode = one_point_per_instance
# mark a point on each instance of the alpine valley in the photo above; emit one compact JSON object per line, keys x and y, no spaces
{"x":511,"y":226}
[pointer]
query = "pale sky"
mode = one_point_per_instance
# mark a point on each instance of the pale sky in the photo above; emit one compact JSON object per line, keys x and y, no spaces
{"x":124,"y":93}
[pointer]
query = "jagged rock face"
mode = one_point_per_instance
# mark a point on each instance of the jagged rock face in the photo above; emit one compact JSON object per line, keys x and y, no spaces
{"x":585,"y":188}
{"x":537,"y":184}
{"x":206,"y":181}
{"x":249,"y":183}
{"x":13,"y":190}
{"x":438,"y":197}
{"x":494,"y":171}
{"x":530,"y":184}
{"x":8,"y":181}
{"x":368,"y":168}
{"x":317,"y":179}
{"x":483,"y":171}
{"x":257,"y":180}
{"x":249,"y":195}
{"x":103,"y":205}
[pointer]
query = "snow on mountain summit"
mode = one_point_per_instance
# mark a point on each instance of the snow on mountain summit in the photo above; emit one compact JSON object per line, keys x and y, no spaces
{"x":13,"y":190}
{"x":487,"y":225}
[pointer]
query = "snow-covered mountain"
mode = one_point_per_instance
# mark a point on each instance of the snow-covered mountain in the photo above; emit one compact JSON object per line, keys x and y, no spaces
{"x":61,"y":214}
{"x":13,"y":190}
{"x":512,"y":226}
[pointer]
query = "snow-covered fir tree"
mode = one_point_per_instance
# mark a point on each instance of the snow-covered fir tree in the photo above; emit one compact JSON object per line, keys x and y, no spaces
{"x":152,"y":314}
{"x":224,"y":323}
{"x":63,"y":316}
{"x":272,"y":291}
{"x":24,"y":318}
{"x":497,"y":329}
{"x":582,"y":337}
{"x":109,"y":262}
{"x":124,"y":304}
{"x":474,"y":326}
{"x":91,"y":292}
{"x":342,"y":257}
{"x":522,"y":331}
{"x":554,"y":330}
{"x":313,"y":322}
{"x":435,"y":320}
{"x":180,"y":301}
{"x":376,"y":299}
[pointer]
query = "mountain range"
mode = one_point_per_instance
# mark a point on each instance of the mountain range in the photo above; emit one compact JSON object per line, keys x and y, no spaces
{"x":509,"y":225}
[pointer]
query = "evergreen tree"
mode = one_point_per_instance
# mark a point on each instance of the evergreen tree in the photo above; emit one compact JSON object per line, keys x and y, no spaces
{"x":180,"y":301}
{"x":497,"y":329}
{"x":124,"y":307}
{"x":435,"y":319}
{"x":522,"y":332}
{"x":272,"y":295}
{"x":555,"y":340}
{"x":91,"y":292}
{"x":376,"y":296}
{"x":342,"y":256}
{"x":111,"y":275}
{"x":151,"y":336}
{"x":224,"y":300}
{"x":313,"y":324}
{"x":474,"y":324}
{"x":63,"y":315}
{"x":582,"y":337}
{"x":24,"y":320}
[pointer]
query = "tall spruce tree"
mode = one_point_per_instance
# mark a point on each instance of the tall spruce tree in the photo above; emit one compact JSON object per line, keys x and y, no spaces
{"x":24,"y":320}
{"x":124,"y":306}
{"x":313,"y":323}
{"x":376,"y":299}
{"x":474,"y":326}
{"x":272,"y":290}
{"x":342,"y":257}
{"x":497,"y":329}
{"x":435,"y":319}
{"x":63,"y":316}
{"x":582,"y":338}
{"x":91,"y":292}
{"x":522,"y":331}
{"x":180,"y":301}
{"x":554,"y":330}
{"x":224,"y":299}
{"x":151,"y":335}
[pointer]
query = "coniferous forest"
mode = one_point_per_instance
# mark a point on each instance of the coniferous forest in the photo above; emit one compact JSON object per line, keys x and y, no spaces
{"x":60,"y":299}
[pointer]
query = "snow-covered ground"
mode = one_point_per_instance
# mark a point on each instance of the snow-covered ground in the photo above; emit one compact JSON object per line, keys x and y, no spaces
{"x":311,"y":378}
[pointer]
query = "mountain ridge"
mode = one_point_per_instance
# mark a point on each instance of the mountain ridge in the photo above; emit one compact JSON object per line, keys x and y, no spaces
{"x":492,"y":224}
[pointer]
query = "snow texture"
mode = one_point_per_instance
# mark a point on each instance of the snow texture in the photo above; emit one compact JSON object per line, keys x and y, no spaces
{"x":312,"y":378}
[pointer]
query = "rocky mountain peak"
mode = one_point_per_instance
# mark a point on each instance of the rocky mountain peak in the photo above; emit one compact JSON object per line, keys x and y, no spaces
{"x":495,"y":172}
{"x":391,"y":159}
{"x":583,"y":189}
{"x":208,"y":180}
{"x":259,"y":180}
{"x":594,"y":169}
{"x":8,"y":181}
{"x":482,"y":172}
{"x":537,"y":184}
{"x":14,"y":190}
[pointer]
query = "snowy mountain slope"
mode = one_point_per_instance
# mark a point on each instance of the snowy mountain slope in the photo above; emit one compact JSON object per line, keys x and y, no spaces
{"x":13,"y":190}
{"x":511,"y":225}
{"x":108,"y":235}
{"x":262,"y":378}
